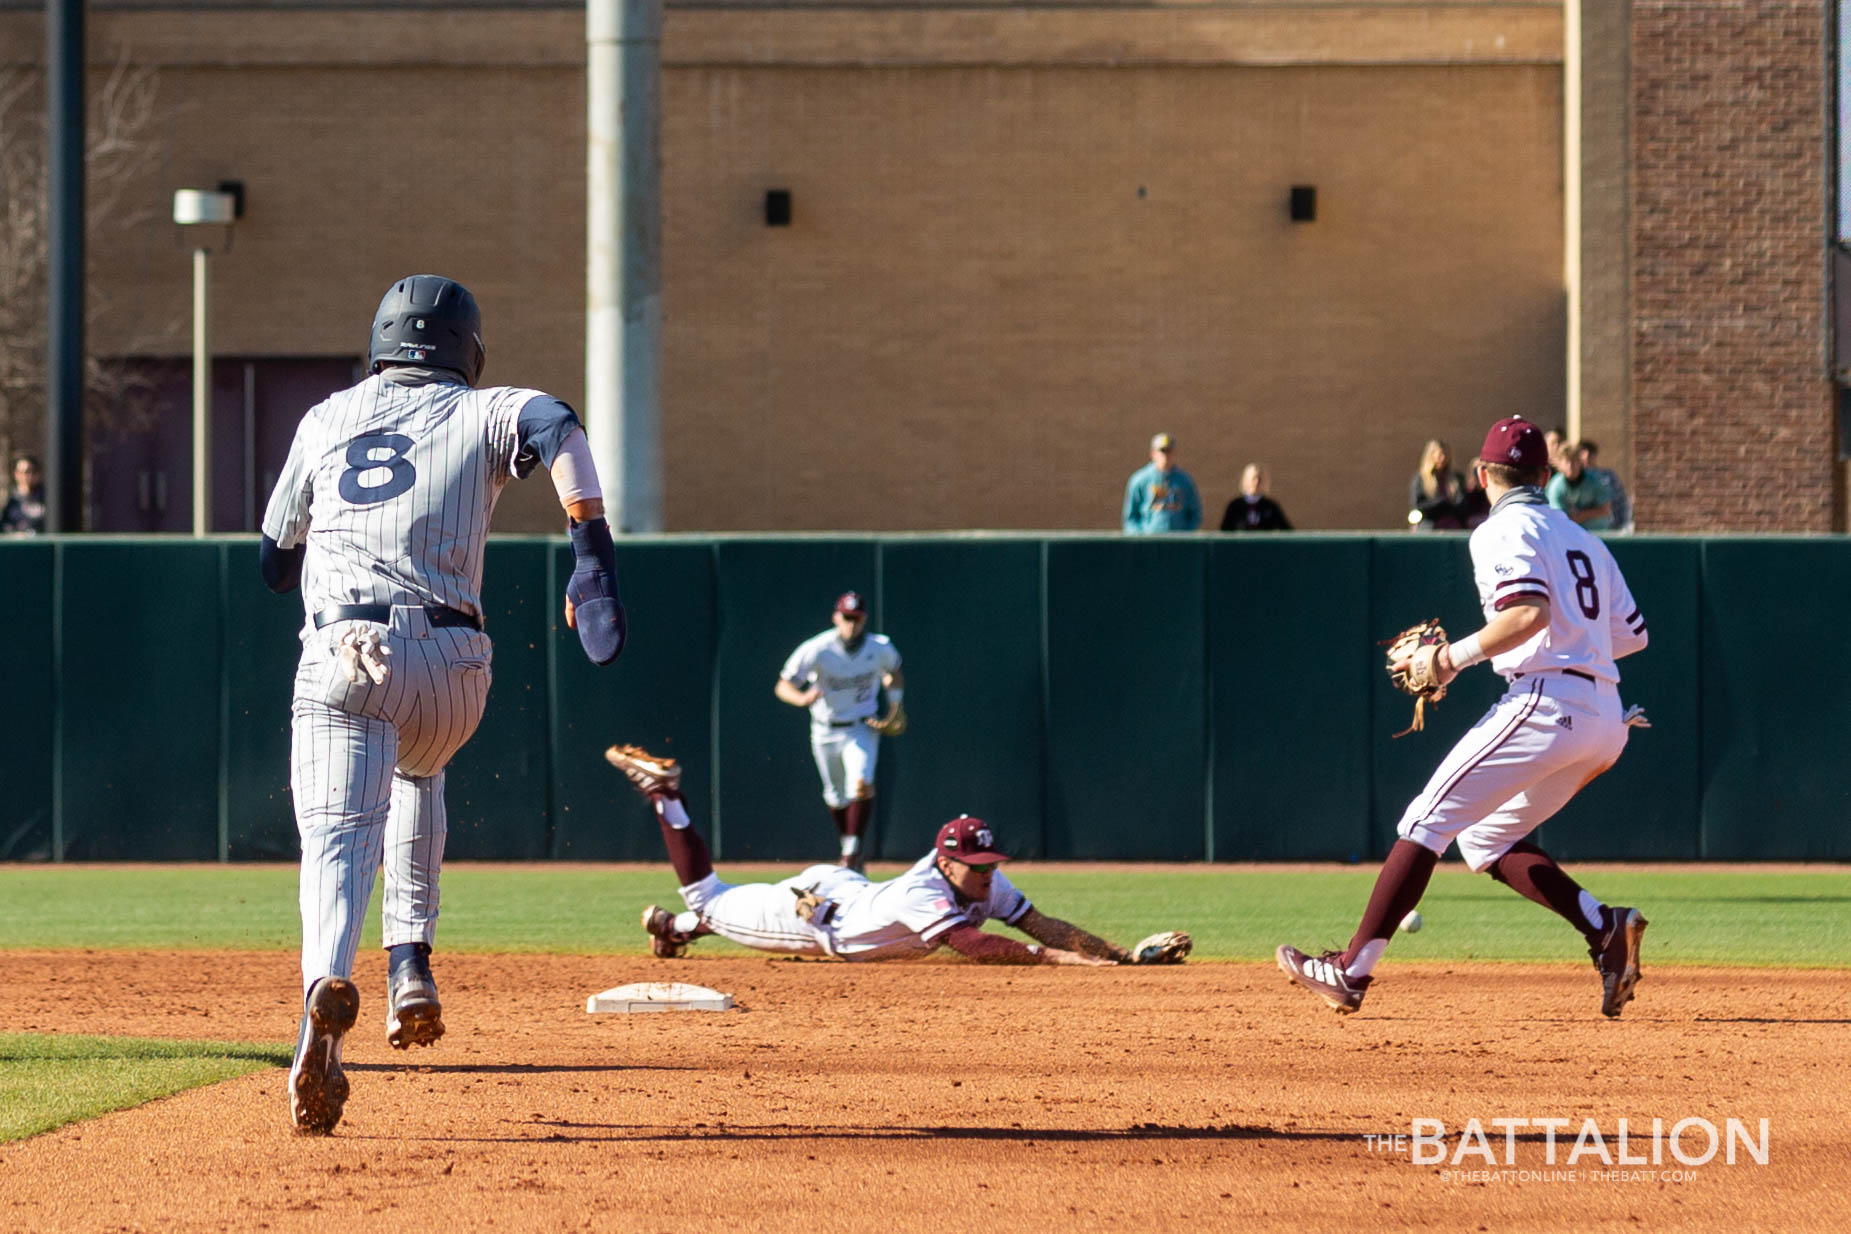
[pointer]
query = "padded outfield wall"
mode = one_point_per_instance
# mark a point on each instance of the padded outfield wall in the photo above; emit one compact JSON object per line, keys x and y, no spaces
{"x":1175,"y":698}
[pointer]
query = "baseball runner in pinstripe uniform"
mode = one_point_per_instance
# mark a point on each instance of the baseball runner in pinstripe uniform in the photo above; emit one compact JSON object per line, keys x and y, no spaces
{"x":1558,"y":614}
{"x":381,"y":514}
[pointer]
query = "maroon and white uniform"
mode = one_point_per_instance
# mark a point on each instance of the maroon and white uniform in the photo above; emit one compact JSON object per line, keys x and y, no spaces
{"x":1561,"y":722}
{"x":899,"y":919}
{"x":848,"y":680}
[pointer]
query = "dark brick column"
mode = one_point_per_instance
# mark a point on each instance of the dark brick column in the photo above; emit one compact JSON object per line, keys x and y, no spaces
{"x":1732,"y":405}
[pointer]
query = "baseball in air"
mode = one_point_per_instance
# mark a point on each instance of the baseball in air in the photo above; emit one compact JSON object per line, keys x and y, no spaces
{"x":1411,"y":922}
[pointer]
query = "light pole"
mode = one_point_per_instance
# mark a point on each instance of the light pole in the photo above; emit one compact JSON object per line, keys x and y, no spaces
{"x":196,"y":208}
{"x":623,"y":256}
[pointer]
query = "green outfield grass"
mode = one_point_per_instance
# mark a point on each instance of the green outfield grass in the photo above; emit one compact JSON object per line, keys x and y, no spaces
{"x":47,"y":1081}
{"x":1731,"y":915}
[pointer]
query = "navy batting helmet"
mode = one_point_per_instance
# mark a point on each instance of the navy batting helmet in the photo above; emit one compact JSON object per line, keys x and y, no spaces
{"x":431,"y":320}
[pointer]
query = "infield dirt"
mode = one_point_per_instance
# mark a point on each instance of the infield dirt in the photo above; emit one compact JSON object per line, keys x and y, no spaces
{"x":942,"y":1095}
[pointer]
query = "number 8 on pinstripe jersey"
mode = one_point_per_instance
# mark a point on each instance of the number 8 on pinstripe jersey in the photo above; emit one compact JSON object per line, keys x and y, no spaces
{"x":360,"y":460}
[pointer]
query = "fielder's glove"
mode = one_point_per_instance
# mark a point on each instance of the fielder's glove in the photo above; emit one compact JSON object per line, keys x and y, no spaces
{"x":892,"y":724}
{"x":362,"y":654}
{"x":1412,"y":669}
{"x":813,"y":908}
{"x":1168,"y":947}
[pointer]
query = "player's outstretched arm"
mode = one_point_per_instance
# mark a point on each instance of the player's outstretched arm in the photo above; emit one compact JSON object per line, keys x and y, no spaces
{"x":594,"y":606}
{"x":1066,"y":936}
{"x":968,"y":940}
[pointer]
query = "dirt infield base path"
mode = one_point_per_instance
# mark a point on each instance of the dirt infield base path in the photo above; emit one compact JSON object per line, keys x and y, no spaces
{"x":941,"y":1096}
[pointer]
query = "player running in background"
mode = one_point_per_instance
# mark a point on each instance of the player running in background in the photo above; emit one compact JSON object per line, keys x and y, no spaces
{"x":825,"y":910}
{"x":1557,"y":615}
{"x":380,"y":515}
{"x":837,"y":675}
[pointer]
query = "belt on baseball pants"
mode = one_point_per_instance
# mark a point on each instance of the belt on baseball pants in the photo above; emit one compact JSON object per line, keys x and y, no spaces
{"x":437,"y":614}
{"x":846,"y":723}
{"x":1572,"y":672}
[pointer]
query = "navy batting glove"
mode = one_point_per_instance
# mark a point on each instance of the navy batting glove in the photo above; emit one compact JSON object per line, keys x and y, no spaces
{"x":597,"y":609}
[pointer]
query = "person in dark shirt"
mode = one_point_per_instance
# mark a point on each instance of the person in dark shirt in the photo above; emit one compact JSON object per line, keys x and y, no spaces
{"x":25,"y":505}
{"x":1253,"y":510}
{"x":1437,"y":497}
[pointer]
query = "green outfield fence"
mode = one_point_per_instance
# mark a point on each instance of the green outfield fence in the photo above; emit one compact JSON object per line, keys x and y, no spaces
{"x":1173,"y":698}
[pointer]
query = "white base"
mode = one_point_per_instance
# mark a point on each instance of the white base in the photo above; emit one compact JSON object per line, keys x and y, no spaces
{"x":659,"y":996}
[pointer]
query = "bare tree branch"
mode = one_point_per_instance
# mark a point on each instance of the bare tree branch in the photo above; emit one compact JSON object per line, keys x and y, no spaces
{"x":119,"y":151}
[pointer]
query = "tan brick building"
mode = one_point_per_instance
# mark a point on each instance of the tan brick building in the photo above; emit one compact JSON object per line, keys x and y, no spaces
{"x":1023,"y":238}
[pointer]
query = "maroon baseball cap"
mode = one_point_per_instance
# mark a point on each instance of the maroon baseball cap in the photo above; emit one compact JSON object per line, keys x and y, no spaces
{"x":849,"y":603}
{"x":1515,"y":442}
{"x":968,"y":840}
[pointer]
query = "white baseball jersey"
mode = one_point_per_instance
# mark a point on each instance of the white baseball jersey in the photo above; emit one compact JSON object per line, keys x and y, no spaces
{"x":1529,"y":549}
{"x":393,"y":486}
{"x":849,"y":681}
{"x":1560,"y":724}
{"x":901,"y":918}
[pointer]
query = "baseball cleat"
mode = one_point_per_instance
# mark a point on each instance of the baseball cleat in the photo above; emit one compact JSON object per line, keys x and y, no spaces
{"x":414,"y":1015}
{"x":1616,"y":958}
{"x":650,"y":774}
{"x":664,"y":939}
{"x":1323,"y":975}
{"x":317,"y":1086}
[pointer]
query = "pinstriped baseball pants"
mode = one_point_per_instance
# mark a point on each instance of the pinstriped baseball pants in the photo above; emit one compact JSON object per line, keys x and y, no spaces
{"x":367,"y":769}
{"x":764,"y":915}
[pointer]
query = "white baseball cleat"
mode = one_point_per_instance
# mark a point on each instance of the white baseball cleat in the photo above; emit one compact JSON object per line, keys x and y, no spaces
{"x":1323,"y":975}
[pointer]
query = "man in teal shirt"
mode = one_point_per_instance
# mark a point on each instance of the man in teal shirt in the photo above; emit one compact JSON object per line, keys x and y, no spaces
{"x":1582,"y":493}
{"x":1161,"y":496}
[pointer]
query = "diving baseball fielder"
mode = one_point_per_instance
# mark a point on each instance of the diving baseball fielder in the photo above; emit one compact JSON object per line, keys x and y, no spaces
{"x":837,"y":675}
{"x":1558,"y":614}
{"x":830,"y":911}
{"x":380,"y":515}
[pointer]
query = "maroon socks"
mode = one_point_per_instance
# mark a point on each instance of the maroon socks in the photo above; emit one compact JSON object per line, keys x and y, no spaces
{"x":1530,"y":872}
{"x":1398,"y":888}
{"x":687,"y":852}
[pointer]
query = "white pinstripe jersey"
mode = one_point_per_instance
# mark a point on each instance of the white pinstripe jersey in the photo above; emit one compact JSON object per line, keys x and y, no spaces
{"x":1527,"y":548}
{"x":393,"y":486}
{"x":910,"y":915}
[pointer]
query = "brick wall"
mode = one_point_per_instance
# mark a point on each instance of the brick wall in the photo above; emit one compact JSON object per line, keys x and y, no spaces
{"x":1732,"y":406}
{"x":1024,"y":239}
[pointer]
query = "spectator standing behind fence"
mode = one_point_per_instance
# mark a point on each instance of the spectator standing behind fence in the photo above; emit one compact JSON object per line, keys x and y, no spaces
{"x":1253,"y":510}
{"x":1579,"y":493}
{"x":25,"y":505}
{"x":1437,"y":496}
{"x":1161,"y":496}
{"x":1621,"y":500}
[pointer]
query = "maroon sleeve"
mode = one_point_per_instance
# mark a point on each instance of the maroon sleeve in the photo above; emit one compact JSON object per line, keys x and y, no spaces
{"x":990,"y":948}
